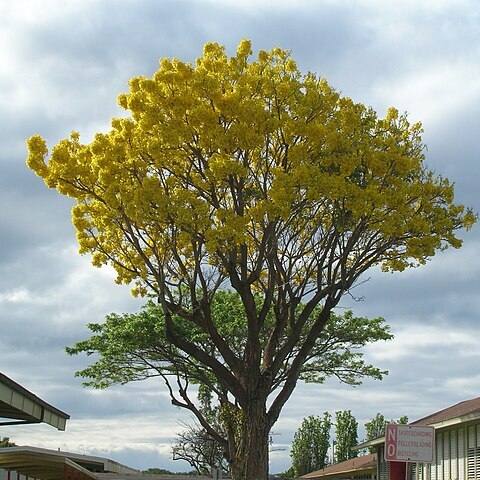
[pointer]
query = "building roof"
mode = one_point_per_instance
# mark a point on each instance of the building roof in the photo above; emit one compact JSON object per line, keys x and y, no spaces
{"x":22,"y":406}
{"x":354,"y":466}
{"x":459,"y":413}
{"x":44,"y":464}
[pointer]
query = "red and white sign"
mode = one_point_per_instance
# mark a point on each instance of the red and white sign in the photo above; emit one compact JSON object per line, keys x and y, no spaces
{"x":405,"y":443}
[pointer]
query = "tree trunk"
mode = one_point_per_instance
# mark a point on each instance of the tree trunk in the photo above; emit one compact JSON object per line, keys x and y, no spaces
{"x":251,"y":458}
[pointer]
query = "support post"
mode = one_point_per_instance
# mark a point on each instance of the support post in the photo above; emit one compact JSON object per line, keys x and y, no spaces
{"x":397,"y":470}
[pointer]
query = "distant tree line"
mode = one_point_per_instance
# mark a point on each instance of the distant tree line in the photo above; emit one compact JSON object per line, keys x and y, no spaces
{"x":311,"y":442}
{"x":5,"y":442}
{"x":375,"y":428}
{"x":163,"y":471}
{"x":312,"y":447}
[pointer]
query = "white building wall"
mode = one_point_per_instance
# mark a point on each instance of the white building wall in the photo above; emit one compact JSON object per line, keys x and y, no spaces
{"x":456,"y":455}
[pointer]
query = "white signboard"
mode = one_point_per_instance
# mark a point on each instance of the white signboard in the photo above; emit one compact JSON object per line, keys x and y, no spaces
{"x":405,"y":443}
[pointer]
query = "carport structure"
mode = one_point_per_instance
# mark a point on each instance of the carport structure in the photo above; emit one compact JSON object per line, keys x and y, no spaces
{"x":19,"y":406}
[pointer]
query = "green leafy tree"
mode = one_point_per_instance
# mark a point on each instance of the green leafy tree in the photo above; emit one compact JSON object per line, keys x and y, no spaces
{"x":135,"y":347}
{"x":402,"y":420}
{"x":346,"y":429}
{"x":310,"y":444}
{"x":157,"y":471}
{"x":163,"y":471}
{"x":249,"y":175}
{"x":375,"y":428}
{"x":5,"y":442}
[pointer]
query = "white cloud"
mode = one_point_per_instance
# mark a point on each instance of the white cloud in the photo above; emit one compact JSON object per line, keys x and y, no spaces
{"x":468,"y":385}
{"x":424,"y":341}
{"x":16,"y":295}
{"x":113,"y":438}
{"x":433,"y":92}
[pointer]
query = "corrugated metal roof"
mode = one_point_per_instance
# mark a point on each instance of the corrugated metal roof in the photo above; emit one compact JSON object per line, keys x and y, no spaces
{"x":22,"y":406}
{"x":365,"y":463}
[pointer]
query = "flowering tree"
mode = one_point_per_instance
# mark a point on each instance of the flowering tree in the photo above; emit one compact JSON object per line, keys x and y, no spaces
{"x":248,"y":175}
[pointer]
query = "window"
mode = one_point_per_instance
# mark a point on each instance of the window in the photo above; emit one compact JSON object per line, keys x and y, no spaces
{"x":473,"y":453}
{"x":382,"y":465}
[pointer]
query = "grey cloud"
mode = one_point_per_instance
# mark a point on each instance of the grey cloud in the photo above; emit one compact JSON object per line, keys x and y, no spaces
{"x":30,"y":218}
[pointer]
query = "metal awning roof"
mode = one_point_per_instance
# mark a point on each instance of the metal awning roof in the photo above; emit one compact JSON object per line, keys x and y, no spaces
{"x":19,"y":406}
{"x":44,"y":464}
{"x":35,"y":463}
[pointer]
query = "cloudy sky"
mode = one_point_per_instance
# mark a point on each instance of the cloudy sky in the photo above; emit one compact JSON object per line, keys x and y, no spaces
{"x":62,"y":65}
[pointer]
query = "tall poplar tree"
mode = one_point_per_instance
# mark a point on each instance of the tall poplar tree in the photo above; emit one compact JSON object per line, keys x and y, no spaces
{"x":310,"y":444}
{"x":346,"y":429}
{"x":249,"y":175}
